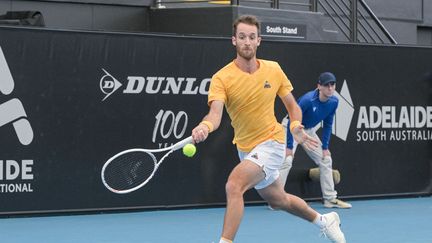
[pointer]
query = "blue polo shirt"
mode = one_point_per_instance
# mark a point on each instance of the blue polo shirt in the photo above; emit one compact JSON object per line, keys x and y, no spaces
{"x":314,"y":111}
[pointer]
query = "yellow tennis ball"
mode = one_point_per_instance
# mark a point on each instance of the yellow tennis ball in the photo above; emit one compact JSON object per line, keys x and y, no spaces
{"x":189,"y":150}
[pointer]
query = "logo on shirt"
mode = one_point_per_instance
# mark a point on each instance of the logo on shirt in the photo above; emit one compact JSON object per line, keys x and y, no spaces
{"x":255,"y":156}
{"x":267,"y":85}
{"x":314,"y":108}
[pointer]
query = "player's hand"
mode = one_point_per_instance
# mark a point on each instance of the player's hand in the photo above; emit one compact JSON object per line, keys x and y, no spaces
{"x":301,"y":137}
{"x":326,"y":152}
{"x":288,"y":152}
{"x":200,"y":133}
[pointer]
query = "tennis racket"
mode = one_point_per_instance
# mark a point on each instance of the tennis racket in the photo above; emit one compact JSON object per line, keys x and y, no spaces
{"x":132,"y":169}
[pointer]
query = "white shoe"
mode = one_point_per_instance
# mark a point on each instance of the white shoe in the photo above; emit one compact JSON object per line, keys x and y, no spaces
{"x":336,"y":203}
{"x":332,"y":229}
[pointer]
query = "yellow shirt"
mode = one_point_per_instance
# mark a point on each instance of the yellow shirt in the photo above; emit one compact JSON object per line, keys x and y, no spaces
{"x":249,"y":100}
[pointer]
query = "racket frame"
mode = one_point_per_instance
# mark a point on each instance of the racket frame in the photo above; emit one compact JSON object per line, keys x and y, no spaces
{"x":150,"y":152}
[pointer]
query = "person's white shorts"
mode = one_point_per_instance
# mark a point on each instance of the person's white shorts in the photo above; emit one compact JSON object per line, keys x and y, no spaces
{"x":269,"y":155}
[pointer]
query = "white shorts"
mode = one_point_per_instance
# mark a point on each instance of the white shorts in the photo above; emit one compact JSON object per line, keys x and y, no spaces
{"x":269,"y":155}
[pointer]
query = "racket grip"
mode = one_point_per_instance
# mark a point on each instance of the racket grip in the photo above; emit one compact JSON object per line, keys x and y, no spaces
{"x":182,"y":143}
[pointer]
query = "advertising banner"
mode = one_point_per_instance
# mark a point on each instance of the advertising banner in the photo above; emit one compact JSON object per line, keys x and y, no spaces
{"x":71,"y":100}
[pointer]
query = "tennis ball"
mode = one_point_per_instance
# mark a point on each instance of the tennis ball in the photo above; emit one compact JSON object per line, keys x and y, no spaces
{"x":189,"y":150}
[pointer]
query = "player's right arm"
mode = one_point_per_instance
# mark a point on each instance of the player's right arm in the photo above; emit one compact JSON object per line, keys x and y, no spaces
{"x":210,"y":122}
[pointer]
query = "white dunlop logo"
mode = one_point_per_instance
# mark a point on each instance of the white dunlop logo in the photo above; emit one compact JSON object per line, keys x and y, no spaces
{"x":154,"y":85}
{"x":108,"y":84}
{"x":12,"y":111}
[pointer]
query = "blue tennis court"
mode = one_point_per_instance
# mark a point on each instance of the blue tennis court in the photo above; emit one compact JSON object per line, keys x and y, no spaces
{"x":384,"y":220}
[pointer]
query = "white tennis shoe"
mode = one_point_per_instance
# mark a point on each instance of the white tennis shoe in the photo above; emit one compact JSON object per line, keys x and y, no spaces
{"x":332,"y":229}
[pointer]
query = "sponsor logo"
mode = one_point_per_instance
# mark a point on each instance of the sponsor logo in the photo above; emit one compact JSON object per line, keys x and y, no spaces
{"x":151,"y":85}
{"x":13,"y":112}
{"x":108,"y":84}
{"x":344,"y":113}
{"x":267,"y":85}
{"x":394,"y":123}
{"x":14,"y":173}
{"x":167,"y":124}
{"x":381,"y":123}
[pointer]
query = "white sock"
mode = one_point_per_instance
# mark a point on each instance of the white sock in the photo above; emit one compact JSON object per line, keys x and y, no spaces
{"x":320,"y":221}
{"x":223,"y":240}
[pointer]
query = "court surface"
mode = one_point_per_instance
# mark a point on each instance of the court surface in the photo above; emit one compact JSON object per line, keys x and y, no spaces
{"x":406,"y":220}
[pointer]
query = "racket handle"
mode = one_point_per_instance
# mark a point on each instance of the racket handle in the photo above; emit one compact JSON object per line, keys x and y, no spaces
{"x":182,"y":143}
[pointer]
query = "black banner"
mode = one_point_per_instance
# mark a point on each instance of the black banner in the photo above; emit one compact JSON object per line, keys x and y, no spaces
{"x":71,"y":100}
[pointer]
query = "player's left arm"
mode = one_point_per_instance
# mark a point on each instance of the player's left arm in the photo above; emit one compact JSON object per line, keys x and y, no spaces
{"x":296,"y":128}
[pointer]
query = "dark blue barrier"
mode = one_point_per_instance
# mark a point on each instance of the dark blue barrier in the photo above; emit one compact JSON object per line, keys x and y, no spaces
{"x":70,"y":100}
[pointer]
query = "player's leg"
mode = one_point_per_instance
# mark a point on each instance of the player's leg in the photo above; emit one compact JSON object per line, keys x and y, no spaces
{"x":243,"y":177}
{"x":287,"y":164}
{"x":329,"y":224}
{"x":270,"y":155}
{"x":275,"y":195}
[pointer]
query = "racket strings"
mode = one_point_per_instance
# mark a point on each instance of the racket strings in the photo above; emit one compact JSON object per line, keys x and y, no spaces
{"x":129,"y":170}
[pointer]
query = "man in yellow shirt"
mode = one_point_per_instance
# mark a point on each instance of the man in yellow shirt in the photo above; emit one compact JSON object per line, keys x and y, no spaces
{"x":247,"y":87}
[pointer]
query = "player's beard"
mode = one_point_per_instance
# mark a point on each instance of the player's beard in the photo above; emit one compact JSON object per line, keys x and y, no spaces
{"x":247,"y":54}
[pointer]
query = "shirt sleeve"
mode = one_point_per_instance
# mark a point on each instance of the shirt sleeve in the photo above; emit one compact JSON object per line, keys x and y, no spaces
{"x":216,"y":90}
{"x":286,"y":87}
{"x":327,"y":128}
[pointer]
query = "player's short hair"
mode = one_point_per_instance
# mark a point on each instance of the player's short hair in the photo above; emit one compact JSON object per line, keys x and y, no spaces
{"x":246,"y":19}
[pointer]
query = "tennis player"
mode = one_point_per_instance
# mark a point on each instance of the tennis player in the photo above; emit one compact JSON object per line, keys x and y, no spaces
{"x":247,"y":87}
{"x":318,"y":105}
